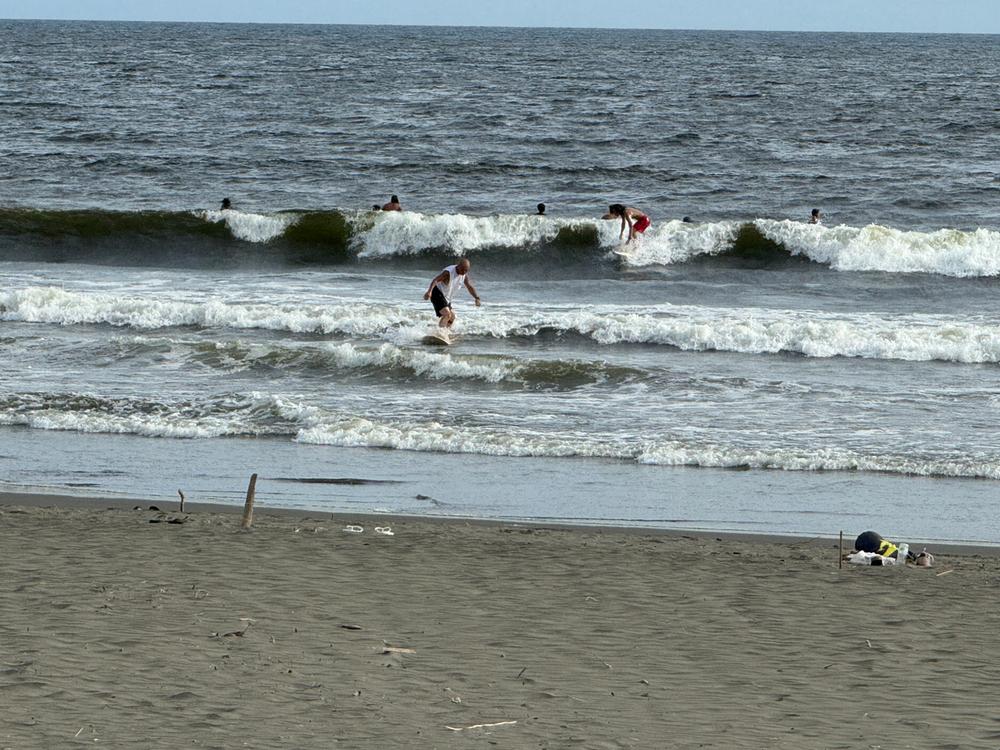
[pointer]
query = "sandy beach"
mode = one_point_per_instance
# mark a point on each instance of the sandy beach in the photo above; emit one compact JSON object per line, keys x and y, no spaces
{"x":121,"y":629}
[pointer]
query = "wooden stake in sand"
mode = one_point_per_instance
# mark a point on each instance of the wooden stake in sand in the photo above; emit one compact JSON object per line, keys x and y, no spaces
{"x":840,"y":558}
{"x":248,"y":505}
{"x":182,"y":500}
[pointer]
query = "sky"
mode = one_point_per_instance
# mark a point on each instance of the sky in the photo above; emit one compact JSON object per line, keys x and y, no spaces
{"x":957,"y":16}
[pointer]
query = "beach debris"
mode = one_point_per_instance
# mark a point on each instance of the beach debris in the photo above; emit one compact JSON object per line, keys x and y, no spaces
{"x":455,"y":698}
{"x":872,"y":558}
{"x":523,"y":670}
{"x":153,"y":507}
{"x":384,"y":530}
{"x":481,"y":726}
{"x":387,"y":649}
{"x":247,"y":622}
{"x":354,"y":529}
{"x":868,"y":642}
{"x":179,"y":492}
{"x":248,"y":505}
{"x":945,"y":572}
{"x":423,"y":497}
{"x":347,"y":626}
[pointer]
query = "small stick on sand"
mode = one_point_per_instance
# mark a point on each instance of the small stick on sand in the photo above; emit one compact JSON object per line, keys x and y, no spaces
{"x":840,"y":558}
{"x":398,"y":650}
{"x":248,"y":506}
{"x":182,"y":500}
{"x":480,"y":726}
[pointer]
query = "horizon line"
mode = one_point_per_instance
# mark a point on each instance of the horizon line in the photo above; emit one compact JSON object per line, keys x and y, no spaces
{"x":493,"y":26}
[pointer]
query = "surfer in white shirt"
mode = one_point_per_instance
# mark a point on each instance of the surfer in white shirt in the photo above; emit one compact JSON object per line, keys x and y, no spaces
{"x":443,"y":287}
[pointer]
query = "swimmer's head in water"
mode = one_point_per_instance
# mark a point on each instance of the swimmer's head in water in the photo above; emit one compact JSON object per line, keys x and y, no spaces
{"x":394,"y":199}
{"x":376,"y":207}
{"x":815,"y":213}
{"x":541,"y":208}
{"x":226,"y":203}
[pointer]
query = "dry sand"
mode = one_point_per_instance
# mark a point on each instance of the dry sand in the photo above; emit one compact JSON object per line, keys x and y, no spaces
{"x":118,"y":632}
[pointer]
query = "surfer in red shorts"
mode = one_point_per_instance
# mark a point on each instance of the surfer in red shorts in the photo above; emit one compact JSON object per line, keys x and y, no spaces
{"x":637,"y":221}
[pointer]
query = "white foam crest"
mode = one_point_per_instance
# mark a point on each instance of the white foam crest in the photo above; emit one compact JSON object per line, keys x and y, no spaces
{"x":424,"y":363}
{"x":355,"y":431}
{"x":672,"y":241}
{"x":251,"y":227}
{"x":147,"y":425}
{"x":58,"y":306}
{"x":238,"y":414}
{"x":408,"y":232}
{"x":821,"y":459}
{"x":746,"y":330}
{"x":948,"y":252}
{"x":260,"y":413}
{"x":761,"y":331}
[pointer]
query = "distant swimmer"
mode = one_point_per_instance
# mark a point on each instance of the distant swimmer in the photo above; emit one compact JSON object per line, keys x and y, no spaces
{"x":226,"y":204}
{"x":393,"y":204}
{"x":637,"y":221}
{"x":376,"y":207}
{"x":443,"y":287}
{"x":816,"y":217}
{"x":687,"y":220}
{"x":541,"y":209}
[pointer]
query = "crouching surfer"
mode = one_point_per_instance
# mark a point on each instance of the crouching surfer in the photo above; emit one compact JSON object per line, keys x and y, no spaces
{"x":636,"y":220}
{"x":443,"y":287}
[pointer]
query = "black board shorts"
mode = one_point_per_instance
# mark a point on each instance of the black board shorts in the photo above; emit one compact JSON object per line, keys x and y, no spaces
{"x":439,"y":302}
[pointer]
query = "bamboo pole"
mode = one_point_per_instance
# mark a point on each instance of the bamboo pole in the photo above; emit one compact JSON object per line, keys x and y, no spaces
{"x":248,"y":505}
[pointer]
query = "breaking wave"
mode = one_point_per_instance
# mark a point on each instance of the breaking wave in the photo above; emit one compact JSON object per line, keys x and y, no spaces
{"x":258,"y":414}
{"x":386,"y":361}
{"x":234,"y":237}
{"x":909,"y":336}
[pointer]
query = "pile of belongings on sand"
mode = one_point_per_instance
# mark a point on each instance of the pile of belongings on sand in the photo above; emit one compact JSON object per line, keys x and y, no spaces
{"x":871,"y":549}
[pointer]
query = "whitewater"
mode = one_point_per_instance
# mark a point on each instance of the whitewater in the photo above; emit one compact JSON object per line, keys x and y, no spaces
{"x":734,"y":367}
{"x":339,"y":236}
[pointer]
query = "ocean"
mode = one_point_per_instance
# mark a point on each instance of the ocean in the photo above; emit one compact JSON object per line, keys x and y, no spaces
{"x":743,"y":370}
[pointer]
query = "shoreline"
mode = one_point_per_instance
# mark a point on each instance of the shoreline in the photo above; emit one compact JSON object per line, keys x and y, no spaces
{"x":67,"y":501}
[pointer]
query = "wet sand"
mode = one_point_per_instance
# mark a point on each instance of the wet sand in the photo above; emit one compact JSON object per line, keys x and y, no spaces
{"x":125,"y":633}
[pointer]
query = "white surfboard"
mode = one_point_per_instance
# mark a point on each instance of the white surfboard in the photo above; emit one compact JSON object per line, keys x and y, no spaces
{"x":621,"y":251}
{"x":437,"y":337}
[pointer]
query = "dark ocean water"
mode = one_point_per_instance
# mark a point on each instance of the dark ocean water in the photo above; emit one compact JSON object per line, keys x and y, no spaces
{"x":806,"y":377}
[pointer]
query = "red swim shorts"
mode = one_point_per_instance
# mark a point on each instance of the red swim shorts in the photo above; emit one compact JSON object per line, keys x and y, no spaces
{"x":641,"y":225}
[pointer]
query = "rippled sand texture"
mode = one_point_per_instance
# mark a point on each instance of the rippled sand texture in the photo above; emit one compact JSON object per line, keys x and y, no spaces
{"x":118,"y":632}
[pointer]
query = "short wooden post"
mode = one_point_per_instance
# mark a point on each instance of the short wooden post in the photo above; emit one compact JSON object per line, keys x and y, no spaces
{"x":182,"y":500}
{"x":248,"y":505}
{"x":840,"y":557}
